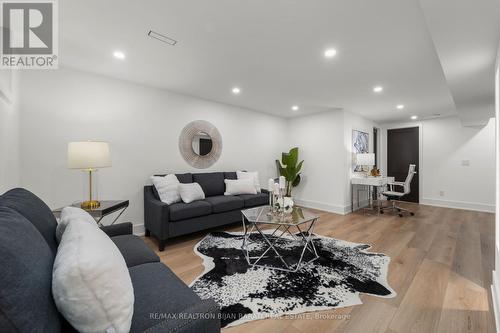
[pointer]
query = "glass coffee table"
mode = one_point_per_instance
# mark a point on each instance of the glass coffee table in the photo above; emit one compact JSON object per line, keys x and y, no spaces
{"x":293,"y":250}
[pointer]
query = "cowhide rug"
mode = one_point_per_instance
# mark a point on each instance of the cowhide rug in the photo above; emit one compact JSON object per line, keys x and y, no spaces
{"x":342,"y":271}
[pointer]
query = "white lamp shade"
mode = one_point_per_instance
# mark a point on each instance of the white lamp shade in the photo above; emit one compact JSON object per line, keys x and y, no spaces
{"x":365,"y":159}
{"x":88,"y":155}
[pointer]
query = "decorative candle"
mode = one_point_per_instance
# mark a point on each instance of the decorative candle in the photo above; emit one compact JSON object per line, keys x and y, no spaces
{"x":282,"y":182}
{"x":270,"y":185}
{"x":276,"y":189}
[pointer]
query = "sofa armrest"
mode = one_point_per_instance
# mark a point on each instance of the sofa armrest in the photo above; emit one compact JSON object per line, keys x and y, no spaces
{"x":202,"y":317}
{"x":156,"y":214}
{"x":118,"y":229}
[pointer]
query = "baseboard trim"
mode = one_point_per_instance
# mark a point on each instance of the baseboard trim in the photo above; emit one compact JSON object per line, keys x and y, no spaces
{"x":138,"y":229}
{"x":322,"y":206}
{"x":494,"y":297}
{"x":475,"y":206}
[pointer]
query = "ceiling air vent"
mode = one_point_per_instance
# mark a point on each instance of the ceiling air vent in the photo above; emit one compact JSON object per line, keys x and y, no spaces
{"x":161,"y":38}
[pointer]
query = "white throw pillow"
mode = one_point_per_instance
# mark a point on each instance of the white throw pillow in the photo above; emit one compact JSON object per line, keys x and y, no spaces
{"x":91,"y":284}
{"x":167,"y":188}
{"x":191,"y":192}
{"x":239,"y":186}
{"x":69,"y":214}
{"x":250,"y":175}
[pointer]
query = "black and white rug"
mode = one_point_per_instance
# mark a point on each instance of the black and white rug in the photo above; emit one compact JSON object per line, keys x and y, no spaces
{"x":342,"y":271}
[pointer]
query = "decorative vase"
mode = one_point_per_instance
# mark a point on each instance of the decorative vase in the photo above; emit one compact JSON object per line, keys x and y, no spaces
{"x":285,"y":205}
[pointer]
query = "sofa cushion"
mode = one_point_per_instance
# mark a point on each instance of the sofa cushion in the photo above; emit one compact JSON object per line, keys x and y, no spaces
{"x":160,"y":295}
{"x":253,"y":175}
{"x":212,"y":183}
{"x":35,"y":211}
{"x":182,"y":211}
{"x":230,"y":175}
{"x":253,"y":200}
{"x":91,"y":284}
{"x":69,"y":214}
{"x":184,"y":177}
{"x":167,"y":188}
{"x":191,"y":192}
{"x":239,"y":186}
{"x":134,"y":250}
{"x":26,"y":303}
{"x":225,"y":203}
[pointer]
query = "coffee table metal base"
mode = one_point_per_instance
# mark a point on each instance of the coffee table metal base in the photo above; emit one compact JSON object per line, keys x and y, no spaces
{"x":306,"y":236}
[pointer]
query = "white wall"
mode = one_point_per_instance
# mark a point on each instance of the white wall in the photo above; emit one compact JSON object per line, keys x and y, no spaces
{"x":9,"y":132}
{"x":325,"y":142}
{"x":495,"y":287}
{"x":141,"y":124}
{"x":354,"y":122}
{"x":320,"y":139}
{"x":445,"y":144}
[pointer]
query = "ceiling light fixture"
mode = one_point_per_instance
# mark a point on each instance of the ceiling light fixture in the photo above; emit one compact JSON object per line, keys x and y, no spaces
{"x":119,"y":55}
{"x":330,"y":53}
{"x":414,"y":117}
{"x":377,"y":89}
{"x":162,"y":38}
{"x":295,"y":108}
{"x":400,"y":107}
{"x":236,"y":90}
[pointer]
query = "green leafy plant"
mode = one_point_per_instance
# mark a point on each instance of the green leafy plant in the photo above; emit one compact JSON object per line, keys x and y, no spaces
{"x":290,"y":168}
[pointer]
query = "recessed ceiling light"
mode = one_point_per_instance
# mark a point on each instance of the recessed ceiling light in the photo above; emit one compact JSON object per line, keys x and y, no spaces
{"x":414,"y":117}
{"x":330,"y":53}
{"x":378,"y":89}
{"x":119,"y":55}
{"x":295,"y":108}
{"x":236,"y":90}
{"x":400,"y":106}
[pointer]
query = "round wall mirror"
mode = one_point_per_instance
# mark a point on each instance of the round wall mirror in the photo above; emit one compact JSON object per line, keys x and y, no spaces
{"x":200,"y":144}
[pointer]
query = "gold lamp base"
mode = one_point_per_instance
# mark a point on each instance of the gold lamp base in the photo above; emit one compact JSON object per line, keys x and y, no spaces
{"x":91,"y":204}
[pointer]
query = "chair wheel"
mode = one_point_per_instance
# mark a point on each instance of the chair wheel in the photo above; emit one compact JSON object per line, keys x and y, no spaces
{"x":412,"y":214}
{"x":381,"y":212}
{"x":400,"y":215}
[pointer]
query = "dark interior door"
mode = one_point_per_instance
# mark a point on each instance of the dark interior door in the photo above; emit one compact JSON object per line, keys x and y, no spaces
{"x":403,"y":150}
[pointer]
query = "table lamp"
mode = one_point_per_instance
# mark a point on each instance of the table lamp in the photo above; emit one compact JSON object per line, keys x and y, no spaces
{"x":365,"y":159}
{"x":89,"y":156}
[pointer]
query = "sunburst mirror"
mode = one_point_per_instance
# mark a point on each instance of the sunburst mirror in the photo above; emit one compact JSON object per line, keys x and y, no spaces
{"x":200,"y":144}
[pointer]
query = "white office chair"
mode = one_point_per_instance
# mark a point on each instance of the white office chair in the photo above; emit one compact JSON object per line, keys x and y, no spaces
{"x":393,"y":195}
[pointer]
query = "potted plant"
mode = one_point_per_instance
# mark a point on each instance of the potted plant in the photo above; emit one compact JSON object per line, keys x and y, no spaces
{"x":290,"y":168}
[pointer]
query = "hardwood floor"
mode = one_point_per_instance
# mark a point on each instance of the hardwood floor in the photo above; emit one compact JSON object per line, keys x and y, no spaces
{"x":441,"y":263}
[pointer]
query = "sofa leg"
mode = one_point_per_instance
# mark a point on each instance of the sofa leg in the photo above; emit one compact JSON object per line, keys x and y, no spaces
{"x":161,"y":244}
{"x":147,"y":233}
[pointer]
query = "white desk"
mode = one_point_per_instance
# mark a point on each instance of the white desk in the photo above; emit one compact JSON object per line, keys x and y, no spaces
{"x":369,"y":182}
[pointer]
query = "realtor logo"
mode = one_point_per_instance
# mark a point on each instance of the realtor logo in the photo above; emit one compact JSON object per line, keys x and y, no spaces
{"x":29,"y":34}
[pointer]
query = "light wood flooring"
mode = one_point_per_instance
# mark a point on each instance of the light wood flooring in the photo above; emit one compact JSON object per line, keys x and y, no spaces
{"x":441,"y":264}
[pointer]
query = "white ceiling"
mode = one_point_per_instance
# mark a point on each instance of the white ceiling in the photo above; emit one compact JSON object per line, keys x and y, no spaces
{"x":273,"y":50}
{"x":466,"y":36}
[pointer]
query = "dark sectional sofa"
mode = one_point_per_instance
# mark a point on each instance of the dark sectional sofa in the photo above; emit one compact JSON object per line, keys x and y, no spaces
{"x":163,"y":303}
{"x":166,"y":221}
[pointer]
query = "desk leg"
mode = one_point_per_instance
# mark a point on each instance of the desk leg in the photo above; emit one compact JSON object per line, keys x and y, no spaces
{"x":357,"y":198}
{"x":377,"y":196}
{"x":370,"y":199}
{"x":352,"y":198}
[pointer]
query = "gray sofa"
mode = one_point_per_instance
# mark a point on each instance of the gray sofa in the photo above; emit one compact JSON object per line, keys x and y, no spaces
{"x":167,"y":221}
{"x":163,"y":303}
